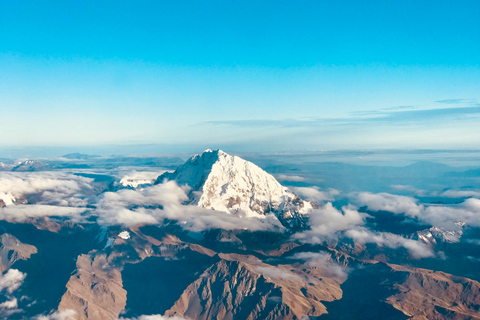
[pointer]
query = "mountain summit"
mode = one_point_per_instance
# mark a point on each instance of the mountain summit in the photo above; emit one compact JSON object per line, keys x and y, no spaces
{"x":228,"y":183}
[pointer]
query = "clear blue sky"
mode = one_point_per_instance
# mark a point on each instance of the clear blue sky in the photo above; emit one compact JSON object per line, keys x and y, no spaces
{"x":276,"y":75}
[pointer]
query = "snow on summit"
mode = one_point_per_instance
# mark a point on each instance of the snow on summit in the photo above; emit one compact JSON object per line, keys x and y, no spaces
{"x":228,"y":183}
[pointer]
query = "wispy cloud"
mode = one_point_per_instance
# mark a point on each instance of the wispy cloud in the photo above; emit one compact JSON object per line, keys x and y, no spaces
{"x":58,"y":315}
{"x":401,"y":115}
{"x":315,"y":195}
{"x":324,"y":263}
{"x":284,"y":177}
{"x":457,"y":101}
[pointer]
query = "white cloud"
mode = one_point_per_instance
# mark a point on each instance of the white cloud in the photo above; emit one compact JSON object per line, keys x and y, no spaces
{"x":444,"y":216}
{"x":135,"y":178}
{"x":411,"y":189}
{"x":388,"y":202}
{"x":330,"y":223}
{"x":327,"y":221}
{"x":314,"y":194}
{"x":461,"y":194}
{"x":447,"y":216}
{"x":10,"y":304}
{"x":55,"y":194}
{"x":8,"y":308}
{"x":11,"y":280}
{"x":416,"y":249}
{"x":277,"y":273}
{"x":324,"y":262}
{"x":54,"y":188}
{"x":59,"y":315}
{"x":153,"y":204}
{"x":283,"y":177}
{"x":22,"y":213}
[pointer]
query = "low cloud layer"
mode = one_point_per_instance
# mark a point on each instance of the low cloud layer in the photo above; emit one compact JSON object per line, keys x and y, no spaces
{"x":416,"y":249}
{"x":22,"y":213}
{"x":9,"y":304}
{"x":389,"y":202}
{"x":329,"y":223}
{"x":277,"y":273}
{"x":284,"y":177}
{"x":154,"y":204}
{"x":65,"y":195}
{"x":461,"y":194}
{"x":58,"y":315}
{"x":324,"y":263}
{"x":452,"y":193}
{"x":438,"y":215}
{"x":314,"y":194}
{"x":48,"y":194}
{"x":11,"y":280}
{"x":51,"y":188}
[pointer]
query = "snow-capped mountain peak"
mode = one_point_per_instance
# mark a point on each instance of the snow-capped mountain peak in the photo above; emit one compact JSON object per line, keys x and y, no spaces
{"x":231,"y":184}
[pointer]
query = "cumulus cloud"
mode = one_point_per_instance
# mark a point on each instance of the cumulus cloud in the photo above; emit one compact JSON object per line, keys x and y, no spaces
{"x":416,"y":249}
{"x":327,"y":221}
{"x":136,"y":178}
{"x":53,"y":188}
{"x":8,"y":308}
{"x":10,"y":304}
{"x":324,"y":262}
{"x":445,"y":216}
{"x":58,"y":315}
{"x":388,"y":202}
{"x":11,"y":280}
{"x":284,"y":177}
{"x":330,"y":223}
{"x":314,"y":194}
{"x":153,"y":204}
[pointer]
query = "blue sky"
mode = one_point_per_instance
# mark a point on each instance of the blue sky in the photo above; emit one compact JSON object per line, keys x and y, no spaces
{"x":273,"y":75}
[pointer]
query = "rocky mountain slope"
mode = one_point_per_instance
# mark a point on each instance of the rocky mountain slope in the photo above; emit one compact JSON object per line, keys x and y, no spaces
{"x":228,"y":183}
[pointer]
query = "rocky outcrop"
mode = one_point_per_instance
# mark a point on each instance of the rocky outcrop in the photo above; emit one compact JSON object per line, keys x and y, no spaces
{"x":242,"y":287}
{"x":13,"y":250}
{"x":431,"y":295}
{"x":95,"y":291}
